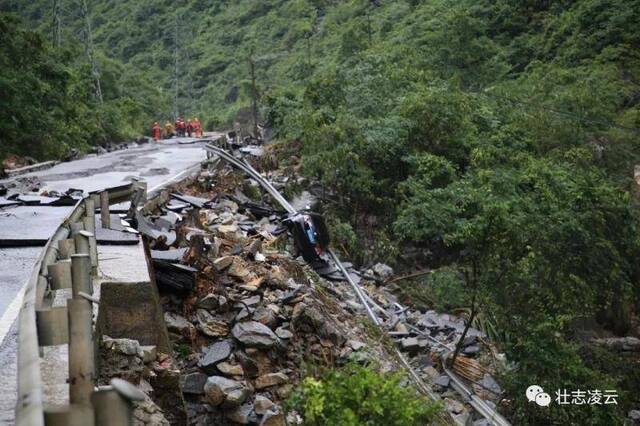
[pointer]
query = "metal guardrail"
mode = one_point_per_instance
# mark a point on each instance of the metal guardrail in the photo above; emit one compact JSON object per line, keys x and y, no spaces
{"x":490,"y":414}
{"x":69,"y":261}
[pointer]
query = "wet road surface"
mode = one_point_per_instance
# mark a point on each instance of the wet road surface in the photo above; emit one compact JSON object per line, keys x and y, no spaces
{"x":155,"y":163}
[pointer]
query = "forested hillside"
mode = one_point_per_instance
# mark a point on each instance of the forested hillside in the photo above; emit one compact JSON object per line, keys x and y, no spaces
{"x":499,"y":138}
{"x":47,"y":100}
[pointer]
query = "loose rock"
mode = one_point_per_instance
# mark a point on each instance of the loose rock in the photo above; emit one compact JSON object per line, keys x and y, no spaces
{"x":178,"y":324}
{"x":147,"y":413}
{"x":254,"y":334}
{"x":194,"y":383}
{"x":272,"y":418}
{"x":123,"y":346}
{"x":222,"y":263}
{"x":149,"y":353}
{"x":262,"y":404}
{"x":230,"y":369}
{"x":271,"y":379}
{"x":410,"y":344}
{"x":382,"y":271}
{"x":241,"y":414}
{"x":453,"y":406}
{"x":211,"y":326}
{"x":488,"y":382}
{"x":283,"y":333}
{"x":442,"y":381}
{"x":217,"y":352}
{"x":209,"y":302}
{"x":226,"y":392}
{"x":249,"y":366}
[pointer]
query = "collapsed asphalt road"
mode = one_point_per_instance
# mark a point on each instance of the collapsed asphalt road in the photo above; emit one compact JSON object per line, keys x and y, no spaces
{"x":153,"y":162}
{"x":156,"y":163}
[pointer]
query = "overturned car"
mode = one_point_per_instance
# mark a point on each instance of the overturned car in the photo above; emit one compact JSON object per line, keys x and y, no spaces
{"x":310,"y":235}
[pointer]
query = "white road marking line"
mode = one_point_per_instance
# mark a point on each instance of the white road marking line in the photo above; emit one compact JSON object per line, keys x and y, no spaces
{"x":11,"y":313}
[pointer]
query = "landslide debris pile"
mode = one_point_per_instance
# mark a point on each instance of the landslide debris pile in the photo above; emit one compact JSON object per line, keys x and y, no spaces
{"x":248,"y":319}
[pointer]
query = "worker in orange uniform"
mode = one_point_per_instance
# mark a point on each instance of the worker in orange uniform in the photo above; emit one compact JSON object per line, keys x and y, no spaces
{"x":197,"y":126}
{"x":189,"y":127}
{"x":168,"y":130}
{"x":178,"y":127}
{"x":156,"y":131}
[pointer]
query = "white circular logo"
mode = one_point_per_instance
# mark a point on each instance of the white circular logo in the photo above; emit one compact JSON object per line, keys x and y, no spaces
{"x":532,"y":391}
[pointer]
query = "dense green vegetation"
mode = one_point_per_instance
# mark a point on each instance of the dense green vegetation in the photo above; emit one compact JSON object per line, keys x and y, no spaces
{"x":47,"y":98}
{"x":354,"y":395}
{"x":499,"y":137}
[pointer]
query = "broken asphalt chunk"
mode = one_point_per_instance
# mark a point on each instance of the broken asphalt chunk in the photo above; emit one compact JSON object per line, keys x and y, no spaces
{"x":196,"y":202}
{"x":147,"y":228}
{"x":174,"y":275}
{"x":173,"y":256}
{"x":176,"y":206}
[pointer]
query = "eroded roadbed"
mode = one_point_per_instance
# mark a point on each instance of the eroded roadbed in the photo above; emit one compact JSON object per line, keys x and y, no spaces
{"x":246,"y":316}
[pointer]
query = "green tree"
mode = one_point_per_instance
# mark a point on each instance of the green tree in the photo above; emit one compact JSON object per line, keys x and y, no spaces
{"x":540,"y":244}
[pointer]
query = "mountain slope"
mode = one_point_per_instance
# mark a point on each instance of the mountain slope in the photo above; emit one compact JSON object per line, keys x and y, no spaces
{"x":491,"y":141}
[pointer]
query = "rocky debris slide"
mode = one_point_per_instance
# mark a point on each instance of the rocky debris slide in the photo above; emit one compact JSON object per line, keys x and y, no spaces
{"x":253,"y":315}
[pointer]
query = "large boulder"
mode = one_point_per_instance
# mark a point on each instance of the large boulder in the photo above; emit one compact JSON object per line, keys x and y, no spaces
{"x":254,"y":334}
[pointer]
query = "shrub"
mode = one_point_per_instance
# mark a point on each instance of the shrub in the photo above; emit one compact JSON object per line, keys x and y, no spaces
{"x":357,"y":395}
